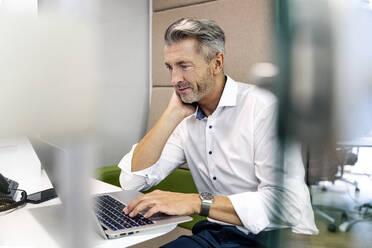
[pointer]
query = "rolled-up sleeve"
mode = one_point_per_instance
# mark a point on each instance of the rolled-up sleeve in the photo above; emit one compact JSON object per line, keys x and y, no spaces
{"x":171,"y":157}
{"x":281,"y":193}
{"x":250,"y":208}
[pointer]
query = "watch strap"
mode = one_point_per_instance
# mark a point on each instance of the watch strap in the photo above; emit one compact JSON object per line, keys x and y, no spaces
{"x":205,"y":207}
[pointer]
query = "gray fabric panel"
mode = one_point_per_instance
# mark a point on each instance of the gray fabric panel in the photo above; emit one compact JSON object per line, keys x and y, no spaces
{"x":161,"y":5}
{"x":159,"y":101}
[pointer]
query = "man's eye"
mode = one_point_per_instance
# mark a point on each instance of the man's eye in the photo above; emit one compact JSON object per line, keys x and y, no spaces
{"x":169,"y":68}
{"x":184,"y":67}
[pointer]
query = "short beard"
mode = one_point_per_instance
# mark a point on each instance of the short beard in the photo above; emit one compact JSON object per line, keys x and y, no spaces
{"x":204,"y":86}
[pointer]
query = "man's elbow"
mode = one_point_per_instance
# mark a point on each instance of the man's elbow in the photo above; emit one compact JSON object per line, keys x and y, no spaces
{"x":131,"y":182}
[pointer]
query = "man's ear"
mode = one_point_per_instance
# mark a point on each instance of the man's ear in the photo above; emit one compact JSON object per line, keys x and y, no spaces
{"x":218,"y":62}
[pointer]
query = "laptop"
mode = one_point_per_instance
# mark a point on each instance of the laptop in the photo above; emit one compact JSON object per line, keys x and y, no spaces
{"x":110,"y":220}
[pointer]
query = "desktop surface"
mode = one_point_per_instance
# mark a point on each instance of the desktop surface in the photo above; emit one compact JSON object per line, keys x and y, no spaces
{"x":39,"y":225}
{"x":359,"y":142}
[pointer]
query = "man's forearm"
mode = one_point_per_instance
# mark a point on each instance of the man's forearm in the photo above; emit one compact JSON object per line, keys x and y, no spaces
{"x":221,"y":209}
{"x":149,"y":149}
{"x":173,"y":203}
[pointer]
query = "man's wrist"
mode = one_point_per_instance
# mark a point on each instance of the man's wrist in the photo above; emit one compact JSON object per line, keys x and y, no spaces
{"x":207,"y":199}
{"x":174,"y":115}
{"x":196,"y":203}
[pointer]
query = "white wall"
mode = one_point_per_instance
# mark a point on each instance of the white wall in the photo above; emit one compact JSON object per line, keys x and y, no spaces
{"x":125,"y":75}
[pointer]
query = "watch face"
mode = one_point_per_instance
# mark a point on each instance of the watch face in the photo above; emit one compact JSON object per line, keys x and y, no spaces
{"x":206,"y":196}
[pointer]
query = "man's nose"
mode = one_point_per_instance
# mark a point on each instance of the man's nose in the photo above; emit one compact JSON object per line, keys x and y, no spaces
{"x":176,"y":77}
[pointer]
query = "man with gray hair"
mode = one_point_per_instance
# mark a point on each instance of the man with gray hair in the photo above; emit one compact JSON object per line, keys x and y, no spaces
{"x":225,"y":131}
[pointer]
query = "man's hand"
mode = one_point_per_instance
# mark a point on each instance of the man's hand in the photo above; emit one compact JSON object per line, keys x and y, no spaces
{"x":177,"y":106}
{"x":164,"y":202}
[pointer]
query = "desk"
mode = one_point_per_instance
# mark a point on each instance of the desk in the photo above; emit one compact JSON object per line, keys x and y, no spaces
{"x":360,"y":142}
{"x":36,"y":225}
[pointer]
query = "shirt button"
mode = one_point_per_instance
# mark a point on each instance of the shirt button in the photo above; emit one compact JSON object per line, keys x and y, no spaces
{"x":210,"y":127}
{"x":210,"y":152}
{"x":214,"y":178}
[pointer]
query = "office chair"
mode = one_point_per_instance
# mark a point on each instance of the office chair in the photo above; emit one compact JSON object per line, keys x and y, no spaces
{"x":323,"y":164}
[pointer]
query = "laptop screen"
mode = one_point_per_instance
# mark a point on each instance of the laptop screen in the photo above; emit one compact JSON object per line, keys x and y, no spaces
{"x":51,"y":158}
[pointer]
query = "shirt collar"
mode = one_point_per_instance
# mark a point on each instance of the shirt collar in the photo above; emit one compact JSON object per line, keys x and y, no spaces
{"x":229,"y":93}
{"x":199,"y":113}
{"x":228,"y":98}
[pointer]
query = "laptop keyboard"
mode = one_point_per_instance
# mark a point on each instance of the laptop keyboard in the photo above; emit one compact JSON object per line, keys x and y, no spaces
{"x":110,"y":212}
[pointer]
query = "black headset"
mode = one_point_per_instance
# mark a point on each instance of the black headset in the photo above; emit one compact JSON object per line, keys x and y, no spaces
{"x":7,"y":204}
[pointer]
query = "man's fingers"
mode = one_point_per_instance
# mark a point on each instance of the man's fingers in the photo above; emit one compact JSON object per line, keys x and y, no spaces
{"x":141,"y":206}
{"x":133,"y":204}
{"x":142,"y":202}
{"x":152,"y":211}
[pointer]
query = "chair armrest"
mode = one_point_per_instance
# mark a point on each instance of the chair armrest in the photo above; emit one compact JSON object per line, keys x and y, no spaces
{"x":109,"y":174}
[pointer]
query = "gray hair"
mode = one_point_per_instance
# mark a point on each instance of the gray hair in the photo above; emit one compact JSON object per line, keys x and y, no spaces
{"x":209,"y":35}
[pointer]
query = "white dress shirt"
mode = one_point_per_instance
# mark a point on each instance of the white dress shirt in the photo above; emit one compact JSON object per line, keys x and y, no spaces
{"x":234,"y":153}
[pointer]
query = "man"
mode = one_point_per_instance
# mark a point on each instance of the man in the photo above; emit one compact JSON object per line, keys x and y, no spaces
{"x":225,"y":131}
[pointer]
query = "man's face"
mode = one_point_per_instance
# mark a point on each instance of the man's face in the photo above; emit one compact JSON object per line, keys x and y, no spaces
{"x":191,"y":75}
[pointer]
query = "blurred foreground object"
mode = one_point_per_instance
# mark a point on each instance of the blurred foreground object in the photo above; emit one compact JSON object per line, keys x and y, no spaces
{"x":324,"y":79}
{"x":325,"y":76}
{"x":323,"y":82}
{"x":48,"y":88}
{"x":48,"y":76}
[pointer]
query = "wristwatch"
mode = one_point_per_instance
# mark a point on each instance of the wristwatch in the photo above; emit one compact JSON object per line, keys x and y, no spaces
{"x":207,"y":200}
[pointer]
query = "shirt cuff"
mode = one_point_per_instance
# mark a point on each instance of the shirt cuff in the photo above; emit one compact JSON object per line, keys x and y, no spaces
{"x":251,"y":211}
{"x":136,"y":180}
